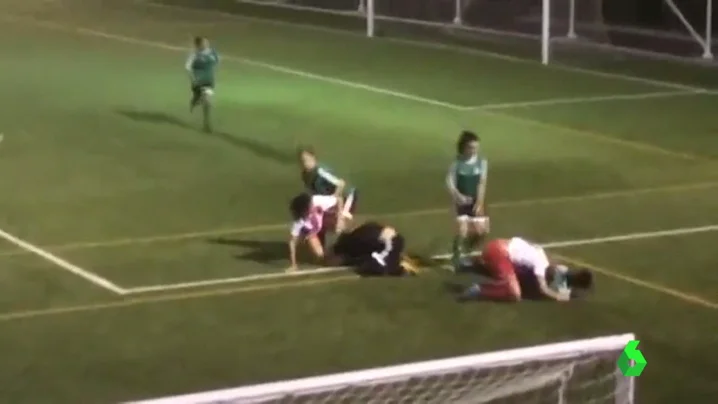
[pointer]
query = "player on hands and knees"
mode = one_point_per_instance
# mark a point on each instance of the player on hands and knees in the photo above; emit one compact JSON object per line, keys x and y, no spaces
{"x":373,"y":249}
{"x":319,"y":180}
{"x":466,"y":182}
{"x":201,"y":65}
{"x":521,"y":269}
{"x":311,"y":214}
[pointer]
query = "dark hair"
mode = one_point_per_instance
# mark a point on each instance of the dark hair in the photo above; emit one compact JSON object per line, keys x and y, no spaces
{"x":300,"y":205}
{"x":465,"y":138}
{"x":580,"y":279}
{"x":198,"y":40}
{"x":305,"y":149}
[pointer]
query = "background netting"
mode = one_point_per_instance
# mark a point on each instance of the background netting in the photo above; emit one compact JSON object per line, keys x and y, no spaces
{"x":614,"y":36}
{"x":585,"y":379}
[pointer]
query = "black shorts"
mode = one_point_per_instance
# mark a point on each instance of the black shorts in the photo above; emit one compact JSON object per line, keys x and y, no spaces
{"x":466,"y":210}
{"x":198,"y":88}
{"x":356,"y":247}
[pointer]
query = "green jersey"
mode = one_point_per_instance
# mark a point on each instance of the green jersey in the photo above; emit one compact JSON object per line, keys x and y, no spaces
{"x":466,"y":175}
{"x":320,"y":181}
{"x":202,"y":64}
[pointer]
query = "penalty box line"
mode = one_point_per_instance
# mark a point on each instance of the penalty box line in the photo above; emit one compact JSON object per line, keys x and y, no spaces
{"x":639,"y":146}
{"x":64,"y":264}
{"x":589,"y":99}
{"x":553,"y":245}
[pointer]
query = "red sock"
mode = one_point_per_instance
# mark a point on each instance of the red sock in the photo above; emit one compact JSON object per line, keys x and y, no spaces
{"x":496,"y":291}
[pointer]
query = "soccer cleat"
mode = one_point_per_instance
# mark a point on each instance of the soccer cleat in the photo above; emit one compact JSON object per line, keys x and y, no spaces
{"x":409,"y":266}
{"x":473,"y":292}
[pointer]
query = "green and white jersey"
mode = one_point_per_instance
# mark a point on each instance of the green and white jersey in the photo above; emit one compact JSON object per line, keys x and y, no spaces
{"x":202,"y":64}
{"x":320,"y":181}
{"x":466,"y":175}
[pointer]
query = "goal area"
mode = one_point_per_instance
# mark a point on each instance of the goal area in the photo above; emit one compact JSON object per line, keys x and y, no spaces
{"x":584,"y":32}
{"x":579,"y":371}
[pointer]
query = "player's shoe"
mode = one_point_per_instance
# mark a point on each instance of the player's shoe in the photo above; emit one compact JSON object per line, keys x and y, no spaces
{"x":473,"y":292}
{"x":410,"y":267}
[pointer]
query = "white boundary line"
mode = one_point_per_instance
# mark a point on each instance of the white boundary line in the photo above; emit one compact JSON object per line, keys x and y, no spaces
{"x":585,"y":100}
{"x":67,"y":266}
{"x":434,"y":45}
{"x":326,"y":270}
{"x":361,"y":86}
{"x":236,"y":280}
{"x":622,"y":237}
{"x":250,"y":62}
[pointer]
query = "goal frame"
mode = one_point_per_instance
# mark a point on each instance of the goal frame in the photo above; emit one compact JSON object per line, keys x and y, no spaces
{"x":505,"y":358}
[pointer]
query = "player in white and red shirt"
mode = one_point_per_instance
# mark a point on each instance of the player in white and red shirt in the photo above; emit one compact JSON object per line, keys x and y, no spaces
{"x":314,"y":216}
{"x":514,"y":263}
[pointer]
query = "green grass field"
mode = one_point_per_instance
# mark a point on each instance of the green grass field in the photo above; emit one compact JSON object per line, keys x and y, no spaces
{"x":104,"y":167}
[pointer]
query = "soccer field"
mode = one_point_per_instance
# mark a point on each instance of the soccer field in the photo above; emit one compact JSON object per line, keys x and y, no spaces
{"x":142,"y":257}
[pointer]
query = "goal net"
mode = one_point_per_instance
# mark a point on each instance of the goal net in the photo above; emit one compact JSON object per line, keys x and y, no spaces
{"x":581,"y":371}
{"x":568,"y":31}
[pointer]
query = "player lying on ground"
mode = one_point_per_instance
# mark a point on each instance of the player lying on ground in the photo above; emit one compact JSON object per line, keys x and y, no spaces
{"x":201,"y":65}
{"x":373,"y":249}
{"x":314,"y":216}
{"x":521,"y":269}
{"x":466,"y":182}
{"x":319,"y":180}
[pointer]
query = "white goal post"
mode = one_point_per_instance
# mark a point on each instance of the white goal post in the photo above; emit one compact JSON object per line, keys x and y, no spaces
{"x":580,"y":371}
{"x":685,"y":33}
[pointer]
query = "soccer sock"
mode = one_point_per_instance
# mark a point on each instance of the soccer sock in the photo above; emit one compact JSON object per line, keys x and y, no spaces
{"x":496,"y":291}
{"x":206,"y":110}
{"x":457,"y":252}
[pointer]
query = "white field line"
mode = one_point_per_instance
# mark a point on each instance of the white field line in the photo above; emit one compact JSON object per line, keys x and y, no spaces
{"x":623,"y":237}
{"x":326,"y":270}
{"x":250,"y":62}
{"x":585,"y":100}
{"x":67,"y":266}
{"x":439,"y":46}
{"x":236,"y":280}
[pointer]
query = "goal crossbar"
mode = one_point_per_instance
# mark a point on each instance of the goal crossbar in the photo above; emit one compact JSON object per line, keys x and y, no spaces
{"x":277,"y":390}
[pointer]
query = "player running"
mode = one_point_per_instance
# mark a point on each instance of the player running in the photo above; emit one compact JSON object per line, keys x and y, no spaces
{"x":522,"y":270}
{"x":313,"y":216}
{"x":319,"y":180}
{"x":373,"y":249}
{"x":466,"y":182}
{"x":201,"y":65}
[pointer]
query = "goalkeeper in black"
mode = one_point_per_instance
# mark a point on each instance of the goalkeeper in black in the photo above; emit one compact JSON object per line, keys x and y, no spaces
{"x":372,"y":249}
{"x":201,"y":65}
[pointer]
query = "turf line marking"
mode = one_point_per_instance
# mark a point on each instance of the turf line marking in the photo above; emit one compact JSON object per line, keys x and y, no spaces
{"x":687,"y":297}
{"x":585,"y":100}
{"x":597,"y":136}
{"x":617,"y":238}
{"x":434,"y":45}
{"x":69,"y":267}
{"x":137,"y":301}
{"x":218,"y":232}
{"x":246,"y":61}
{"x":240,"y":279}
{"x":645,"y":147}
{"x":325,"y":270}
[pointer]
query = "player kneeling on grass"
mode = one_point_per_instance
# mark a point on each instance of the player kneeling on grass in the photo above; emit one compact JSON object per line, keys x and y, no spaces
{"x":319,"y":180}
{"x":522,"y":270}
{"x":373,"y":249}
{"x":201,"y":66}
{"x":466,"y":182}
{"x":313,"y":217}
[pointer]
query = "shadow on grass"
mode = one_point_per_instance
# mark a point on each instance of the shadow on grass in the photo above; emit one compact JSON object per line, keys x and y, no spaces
{"x":262,"y":251}
{"x":257,"y":148}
